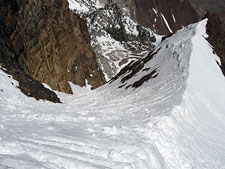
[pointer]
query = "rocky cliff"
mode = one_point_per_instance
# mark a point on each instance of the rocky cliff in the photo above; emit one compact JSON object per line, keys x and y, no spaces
{"x":53,"y":45}
{"x":44,"y":42}
{"x":8,"y":56}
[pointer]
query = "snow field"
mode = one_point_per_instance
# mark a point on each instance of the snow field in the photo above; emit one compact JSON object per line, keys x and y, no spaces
{"x":174,"y":121}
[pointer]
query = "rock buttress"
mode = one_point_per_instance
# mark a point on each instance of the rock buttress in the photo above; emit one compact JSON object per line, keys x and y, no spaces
{"x":53,"y":45}
{"x":8,"y":57}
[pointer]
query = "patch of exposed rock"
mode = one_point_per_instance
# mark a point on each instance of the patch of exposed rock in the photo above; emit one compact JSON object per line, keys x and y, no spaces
{"x":53,"y":46}
{"x":29,"y":86}
{"x":216,"y":37}
{"x":134,"y":68}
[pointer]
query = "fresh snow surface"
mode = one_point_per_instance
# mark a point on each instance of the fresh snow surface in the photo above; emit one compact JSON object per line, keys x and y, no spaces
{"x":175,"y":121}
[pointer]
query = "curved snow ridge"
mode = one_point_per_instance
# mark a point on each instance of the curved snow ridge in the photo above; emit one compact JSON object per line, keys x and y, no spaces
{"x":193,"y":135}
{"x":170,"y":62}
{"x":202,"y":108}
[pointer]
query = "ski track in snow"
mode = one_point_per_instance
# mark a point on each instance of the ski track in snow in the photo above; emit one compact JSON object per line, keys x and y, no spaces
{"x":175,"y":121}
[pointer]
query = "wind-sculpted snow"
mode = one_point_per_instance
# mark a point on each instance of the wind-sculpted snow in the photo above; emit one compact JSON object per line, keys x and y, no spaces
{"x":172,"y":121}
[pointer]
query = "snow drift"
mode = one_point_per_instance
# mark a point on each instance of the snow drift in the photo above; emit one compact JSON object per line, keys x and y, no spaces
{"x":172,"y":121}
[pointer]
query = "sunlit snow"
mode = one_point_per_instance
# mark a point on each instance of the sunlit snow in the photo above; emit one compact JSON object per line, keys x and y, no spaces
{"x":175,"y":121}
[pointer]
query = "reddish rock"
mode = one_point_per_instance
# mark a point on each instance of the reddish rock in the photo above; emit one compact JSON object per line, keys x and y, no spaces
{"x":53,"y":45}
{"x":178,"y":13}
{"x":8,"y":57}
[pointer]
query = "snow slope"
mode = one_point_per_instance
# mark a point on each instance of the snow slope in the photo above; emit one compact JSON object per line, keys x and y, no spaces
{"x":173,"y":121}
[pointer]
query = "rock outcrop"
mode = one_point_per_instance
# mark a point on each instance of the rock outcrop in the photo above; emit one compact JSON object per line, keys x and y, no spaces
{"x":53,"y":46}
{"x":216,"y":37}
{"x":45,"y":42}
{"x":8,"y":57}
{"x":132,"y":69}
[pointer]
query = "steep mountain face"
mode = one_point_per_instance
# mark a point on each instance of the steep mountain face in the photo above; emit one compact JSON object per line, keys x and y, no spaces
{"x":124,"y":30}
{"x":115,"y":37}
{"x":8,"y":56}
{"x":53,"y":46}
{"x":163,"y":17}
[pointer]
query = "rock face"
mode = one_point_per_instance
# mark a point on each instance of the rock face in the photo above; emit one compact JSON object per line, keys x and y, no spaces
{"x":163,"y":16}
{"x":53,"y":46}
{"x":8,"y":57}
{"x":7,"y":24}
{"x":45,"y":42}
{"x":216,"y":37}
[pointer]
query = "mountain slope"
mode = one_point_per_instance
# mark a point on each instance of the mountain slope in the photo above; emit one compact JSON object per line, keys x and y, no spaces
{"x":8,"y":56}
{"x":115,"y":37}
{"x":124,"y":30}
{"x":162,"y":16}
{"x":173,"y":120}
